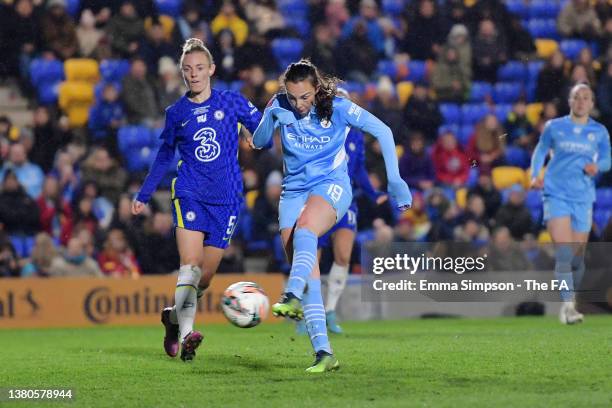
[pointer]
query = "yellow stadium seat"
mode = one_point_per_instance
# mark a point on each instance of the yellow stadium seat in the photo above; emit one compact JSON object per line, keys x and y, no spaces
{"x":546,"y":47}
{"x":271,"y":86}
{"x":461,"y":197}
{"x":507,"y":176}
{"x":167,"y":23}
{"x":404,"y":91}
{"x":534,"y":110}
{"x":251,"y":196}
{"x":75,"y":99}
{"x":82,"y":69}
{"x":544,"y":237}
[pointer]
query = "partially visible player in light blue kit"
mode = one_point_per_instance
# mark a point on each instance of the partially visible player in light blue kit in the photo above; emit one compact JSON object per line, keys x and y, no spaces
{"x":314,"y":123}
{"x":580,"y":150}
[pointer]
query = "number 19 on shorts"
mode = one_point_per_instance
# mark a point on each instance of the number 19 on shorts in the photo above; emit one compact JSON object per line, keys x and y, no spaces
{"x":334,"y":192}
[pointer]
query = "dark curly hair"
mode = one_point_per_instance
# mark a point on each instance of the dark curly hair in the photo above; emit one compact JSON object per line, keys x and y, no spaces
{"x":326,"y":85}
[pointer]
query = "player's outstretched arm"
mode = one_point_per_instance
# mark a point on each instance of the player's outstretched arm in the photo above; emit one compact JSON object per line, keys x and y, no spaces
{"x":273,"y":117}
{"x":604,"y":161}
{"x":164,"y":158}
{"x":539,"y":155}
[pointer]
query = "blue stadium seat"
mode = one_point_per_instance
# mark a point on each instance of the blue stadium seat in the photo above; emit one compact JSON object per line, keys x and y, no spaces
{"x":543,"y":28}
{"x":603,"y":198}
{"x":516,"y":156}
{"x":530,"y":91}
{"x":601,"y":218}
{"x":544,"y":8}
{"x":392,"y":7}
{"x":387,"y":67}
{"x":23,"y":244}
{"x":48,"y":92}
{"x":416,"y":71}
{"x":480,"y":91}
{"x":169,"y":7}
{"x":292,"y":7}
{"x":139,"y":158}
{"x":571,"y":47}
{"x":501,"y":111}
{"x":465,"y":132}
{"x":512,"y":71}
{"x":72,"y":7}
{"x":533,"y":70}
{"x":287,"y":50}
{"x":114,"y":70}
{"x":473,"y":112}
{"x":46,"y":71}
{"x":450,"y":112}
{"x":133,"y":137}
{"x":299,"y":23}
{"x":449,"y":127}
{"x":507,"y":92}
{"x":472,"y":180}
{"x":518,"y":7}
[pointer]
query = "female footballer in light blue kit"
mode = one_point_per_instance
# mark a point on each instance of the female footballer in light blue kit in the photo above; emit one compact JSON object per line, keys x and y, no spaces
{"x":580,"y":150}
{"x":317,"y":192}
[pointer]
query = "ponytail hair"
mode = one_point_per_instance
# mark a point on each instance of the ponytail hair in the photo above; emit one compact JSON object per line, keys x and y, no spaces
{"x":195,"y":45}
{"x":326,"y":86}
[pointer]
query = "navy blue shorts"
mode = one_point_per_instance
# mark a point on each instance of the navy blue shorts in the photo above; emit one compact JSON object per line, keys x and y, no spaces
{"x":217,"y":222}
{"x":349,"y":221}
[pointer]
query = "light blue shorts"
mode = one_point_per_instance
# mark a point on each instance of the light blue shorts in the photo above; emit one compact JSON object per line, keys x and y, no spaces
{"x":581,"y":214}
{"x":337,"y":192}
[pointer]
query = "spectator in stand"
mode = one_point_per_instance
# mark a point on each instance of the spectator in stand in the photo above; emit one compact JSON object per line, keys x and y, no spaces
{"x":106,"y":115}
{"x":515,"y":215}
{"x":170,"y":85}
{"x":255,"y":50}
{"x":604,"y":96}
{"x":19,"y":39}
{"x":125,"y":30}
{"x":368,"y":15}
{"x":422,"y":112}
{"x":19,"y":213}
{"x":74,"y":261}
{"x":356,"y":57}
{"x":55,"y":212}
{"x":489,"y":51}
{"x":475,"y":209}
{"x":59,"y":31}
{"x":387,"y":108}
{"x":320,"y":49}
{"x":87,"y":238}
{"x":425,"y":35}
{"x":459,"y":38}
{"x":265,"y":210}
{"x":228,"y":19}
{"x":471,"y":230}
{"x":442,"y":214}
{"x":453,"y":12}
{"x":88,"y":35}
{"x":552,"y":79}
{"x":224,"y":56}
{"x":138,"y":94}
{"x":265,"y":18}
{"x":485,"y":189}
{"x":450,"y":162}
{"x":9,"y":261}
{"x":579,"y":19}
{"x":40,"y":259}
{"x":519,"y":129}
{"x":130,"y":224}
{"x":504,"y":254}
{"x":189,"y":21}
{"x":66,"y":173}
{"x":520,"y":42}
{"x":336,"y":16}
{"x":591,"y":66}
{"x":415,"y":166}
{"x":30,"y":175}
{"x":84,"y":217}
{"x":48,"y":139}
{"x":155,"y":45}
{"x":605,"y":42}
{"x":100,"y":168}
{"x":254,"y":88}
{"x":448,"y":79}
{"x":418,"y":224}
{"x":486,"y":145}
{"x":158,"y":253}
{"x":117,"y":258}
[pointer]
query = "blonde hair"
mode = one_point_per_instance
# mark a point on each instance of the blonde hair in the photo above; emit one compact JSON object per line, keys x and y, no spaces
{"x":195,"y":45}
{"x":578,"y":87}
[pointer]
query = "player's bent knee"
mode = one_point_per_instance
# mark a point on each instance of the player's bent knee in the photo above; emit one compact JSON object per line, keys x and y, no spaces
{"x":189,"y":275}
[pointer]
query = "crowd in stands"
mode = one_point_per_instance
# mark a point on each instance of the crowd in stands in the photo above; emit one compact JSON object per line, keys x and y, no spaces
{"x":465,"y":85}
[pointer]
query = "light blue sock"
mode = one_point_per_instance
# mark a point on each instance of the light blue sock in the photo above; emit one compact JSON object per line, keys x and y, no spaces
{"x":578,"y":268}
{"x":563,"y":270}
{"x":304,"y":258}
{"x":314,"y":314}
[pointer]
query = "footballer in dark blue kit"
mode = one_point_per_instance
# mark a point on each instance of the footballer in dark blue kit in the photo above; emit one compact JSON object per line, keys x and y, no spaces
{"x":207,"y":192}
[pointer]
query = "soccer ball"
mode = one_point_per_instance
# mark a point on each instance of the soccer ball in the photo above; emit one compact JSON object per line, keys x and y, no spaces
{"x":245,"y":304}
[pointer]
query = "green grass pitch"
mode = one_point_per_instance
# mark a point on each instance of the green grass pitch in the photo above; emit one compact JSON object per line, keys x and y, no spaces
{"x":504,"y":362}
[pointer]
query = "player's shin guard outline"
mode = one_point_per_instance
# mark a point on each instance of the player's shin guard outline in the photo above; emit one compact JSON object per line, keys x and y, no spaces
{"x":185,"y":297}
{"x":304,"y":258}
{"x":314,"y":315}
